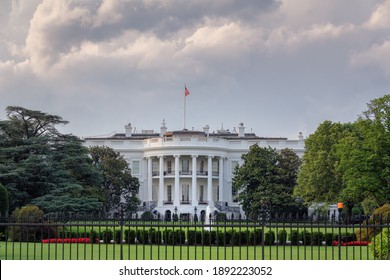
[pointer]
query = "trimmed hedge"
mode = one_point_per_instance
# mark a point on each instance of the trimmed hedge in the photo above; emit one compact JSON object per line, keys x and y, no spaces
{"x":107,"y":236}
{"x":269,"y":238}
{"x":282,"y":237}
{"x":218,"y":237}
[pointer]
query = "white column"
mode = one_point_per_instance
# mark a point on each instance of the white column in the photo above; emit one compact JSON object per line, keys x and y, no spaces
{"x":161,"y":185}
{"x":210,"y":181}
{"x":221,"y":187}
{"x":176,"y":200}
{"x":150,"y":179}
{"x":194,"y":182}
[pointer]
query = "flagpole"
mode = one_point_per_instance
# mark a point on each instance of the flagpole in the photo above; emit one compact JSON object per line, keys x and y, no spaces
{"x":186,"y":92}
{"x":185,"y":98}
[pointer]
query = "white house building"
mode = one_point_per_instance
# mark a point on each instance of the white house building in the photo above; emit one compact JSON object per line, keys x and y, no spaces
{"x":188,"y":171}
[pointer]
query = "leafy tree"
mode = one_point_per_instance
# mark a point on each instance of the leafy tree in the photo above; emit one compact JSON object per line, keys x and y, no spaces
{"x":349,"y":162}
{"x":39,"y":164}
{"x":118,"y":183}
{"x":365,"y":155}
{"x":25,"y":123}
{"x":76,"y":181}
{"x":266,"y":180}
{"x":318,"y":178}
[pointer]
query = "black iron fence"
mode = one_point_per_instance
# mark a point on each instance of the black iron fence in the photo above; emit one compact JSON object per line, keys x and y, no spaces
{"x":59,"y":238}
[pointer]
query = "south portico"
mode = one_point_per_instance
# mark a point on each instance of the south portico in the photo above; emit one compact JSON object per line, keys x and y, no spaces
{"x":185,"y":181}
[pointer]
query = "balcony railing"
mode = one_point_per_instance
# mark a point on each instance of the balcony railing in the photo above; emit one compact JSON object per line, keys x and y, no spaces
{"x":168,"y":202}
{"x":147,"y":206}
{"x":184,"y":173}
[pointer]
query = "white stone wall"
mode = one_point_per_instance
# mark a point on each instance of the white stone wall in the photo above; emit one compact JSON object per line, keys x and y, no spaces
{"x":220,"y":151}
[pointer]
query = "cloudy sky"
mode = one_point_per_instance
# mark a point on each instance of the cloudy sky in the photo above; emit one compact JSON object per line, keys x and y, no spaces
{"x":279,"y":67}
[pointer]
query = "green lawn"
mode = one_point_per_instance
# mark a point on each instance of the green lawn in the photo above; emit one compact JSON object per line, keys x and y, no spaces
{"x":38,"y":251}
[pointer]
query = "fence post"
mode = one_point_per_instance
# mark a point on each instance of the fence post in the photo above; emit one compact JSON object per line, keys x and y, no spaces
{"x":339,"y":208}
{"x":262,"y":217}
{"x":121,"y":222}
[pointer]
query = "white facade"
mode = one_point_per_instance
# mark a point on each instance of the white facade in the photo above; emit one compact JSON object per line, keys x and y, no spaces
{"x":185,"y":171}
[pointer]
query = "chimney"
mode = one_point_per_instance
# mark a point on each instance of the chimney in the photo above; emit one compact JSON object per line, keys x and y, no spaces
{"x":128,"y":130}
{"x":206,"y":129}
{"x":241,"y":130}
{"x":163,"y":129}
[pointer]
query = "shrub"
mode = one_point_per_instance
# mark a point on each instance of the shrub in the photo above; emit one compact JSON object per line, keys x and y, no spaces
{"x":198,"y":238}
{"x":236,"y":238}
{"x":180,"y":236}
{"x":147,"y":216}
{"x":156,"y":237}
{"x":329,"y":238}
{"x":94,"y":236}
{"x":167,"y":236}
{"x":107,"y":236}
{"x":222,"y":238}
{"x":30,"y":214}
{"x":282,"y":237}
{"x":221,"y":217}
{"x":142,"y":236}
{"x":191,"y":237}
{"x":240,"y":237}
{"x":118,"y":236}
{"x":194,"y":237}
{"x":294,"y":237}
{"x":209,"y":237}
{"x":381,"y":214}
{"x":172,"y":237}
{"x":269,"y":238}
{"x":379,"y":246}
{"x":305,"y":237}
{"x":317,"y":238}
{"x":255,"y":237}
{"x":130,"y":236}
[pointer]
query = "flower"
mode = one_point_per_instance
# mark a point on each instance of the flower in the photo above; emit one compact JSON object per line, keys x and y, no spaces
{"x":67,"y":240}
{"x":351,"y":243}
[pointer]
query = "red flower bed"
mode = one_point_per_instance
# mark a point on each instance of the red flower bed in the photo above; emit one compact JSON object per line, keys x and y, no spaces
{"x":351,"y":243}
{"x":67,"y":240}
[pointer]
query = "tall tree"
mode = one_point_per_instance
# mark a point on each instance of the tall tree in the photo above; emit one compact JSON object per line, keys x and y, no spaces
{"x":39,"y":164}
{"x":266,"y":180}
{"x":74,"y":179}
{"x":365,"y":156}
{"x":318,"y":178}
{"x":25,"y":123}
{"x":118,"y":186}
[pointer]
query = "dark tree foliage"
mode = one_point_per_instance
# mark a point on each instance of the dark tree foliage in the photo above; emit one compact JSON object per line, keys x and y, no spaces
{"x":39,"y":165}
{"x":76,"y":180}
{"x":3,"y":201}
{"x":118,"y":186}
{"x":266,"y":180}
{"x":25,"y":123}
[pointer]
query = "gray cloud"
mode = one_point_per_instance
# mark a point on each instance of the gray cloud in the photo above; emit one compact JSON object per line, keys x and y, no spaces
{"x":278,"y":66}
